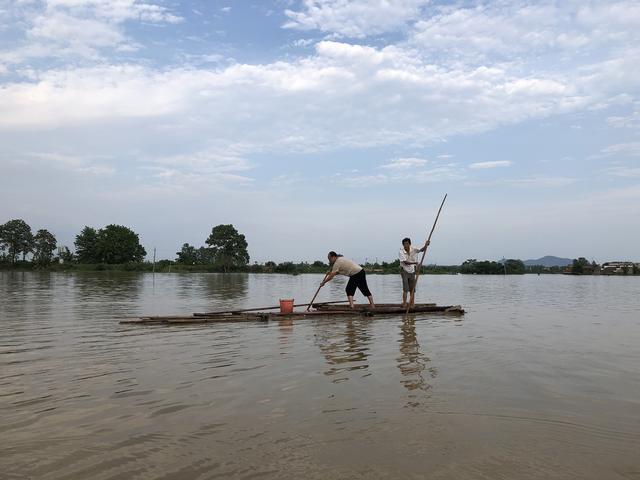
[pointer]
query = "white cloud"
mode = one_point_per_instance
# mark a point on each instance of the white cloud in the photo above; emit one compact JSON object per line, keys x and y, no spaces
{"x":486,"y":165}
{"x":625,"y":121}
{"x":116,"y":10}
{"x":69,"y":163}
{"x":344,"y":95}
{"x":512,"y":29}
{"x":538,"y":181}
{"x":354,"y":18}
{"x":625,"y":172}
{"x":631,"y":149}
{"x":179,"y":179}
{"x":287,"y":180}
{"x":79,"y":32}
{"x":80,"y":28}
{"x":404,"y":163}
{"x":437,"y":174}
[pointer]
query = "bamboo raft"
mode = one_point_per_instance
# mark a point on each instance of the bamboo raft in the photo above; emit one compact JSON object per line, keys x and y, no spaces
{"x":319,"y":310}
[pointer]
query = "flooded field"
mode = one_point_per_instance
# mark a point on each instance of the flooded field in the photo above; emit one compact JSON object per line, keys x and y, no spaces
{"x":540,"y":379}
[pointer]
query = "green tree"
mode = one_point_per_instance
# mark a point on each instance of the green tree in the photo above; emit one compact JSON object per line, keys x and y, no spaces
{"x":577,"y":266}
{"x":188,"y":255}
{"x":86,"y":246}
{"x":17,"y":238}
{"x":118,"y":244}
{"x":514,"y":266}
{"x":66,"y":256}
{"x":44,"y":243}
{"x":204,"y":256}
{"x":228,"y":247}
{"x":468,"y":266}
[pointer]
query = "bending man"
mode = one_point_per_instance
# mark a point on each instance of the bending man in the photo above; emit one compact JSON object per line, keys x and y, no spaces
{"x":356,"y":274}
{"x":408,"y":262}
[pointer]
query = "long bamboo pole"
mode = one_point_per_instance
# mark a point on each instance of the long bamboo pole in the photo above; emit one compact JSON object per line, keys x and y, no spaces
{"x":257,"y":309}
{"x":424,"y":253}
{"x":317,"y":291}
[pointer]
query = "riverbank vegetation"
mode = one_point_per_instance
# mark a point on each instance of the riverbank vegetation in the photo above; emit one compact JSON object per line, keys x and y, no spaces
{"x":118,"y":248}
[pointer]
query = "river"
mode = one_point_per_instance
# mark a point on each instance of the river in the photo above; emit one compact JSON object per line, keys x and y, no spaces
{"x":540,"y":379}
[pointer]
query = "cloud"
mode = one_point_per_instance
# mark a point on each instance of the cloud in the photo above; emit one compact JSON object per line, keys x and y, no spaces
{"x":97,"y":166}
{"x":538,"y":181}
{"x":117,"y":11}
{"x":486,"y":165}
{"x":630,"y":149}
{"x":508,"y":30}
{"x":625,"y":172}
{"x":438,"y":174}
{"x":355,"y":18}
{"x":404,"y":163}
{"x":625,"y":121}
{"x":344,"y":95}
{"x":80,"y":28}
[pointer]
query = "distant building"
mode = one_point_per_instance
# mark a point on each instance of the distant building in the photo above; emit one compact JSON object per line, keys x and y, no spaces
{"x":619,"y":268}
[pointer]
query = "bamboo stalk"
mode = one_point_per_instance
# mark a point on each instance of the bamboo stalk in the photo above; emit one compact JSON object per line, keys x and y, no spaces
{"x":415,"y":284}
{"x":317,"y":291}
{"x":257,"y":309}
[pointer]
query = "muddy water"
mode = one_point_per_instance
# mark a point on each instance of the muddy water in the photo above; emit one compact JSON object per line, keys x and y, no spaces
{"x":541,"y":379}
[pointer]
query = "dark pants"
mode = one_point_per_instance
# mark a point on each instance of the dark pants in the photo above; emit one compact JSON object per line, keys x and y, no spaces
{"x":358,"y":280}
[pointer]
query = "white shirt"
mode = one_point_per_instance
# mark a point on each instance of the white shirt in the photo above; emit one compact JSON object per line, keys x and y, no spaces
{"x":344,"y":266}
{"x":412,"y":256}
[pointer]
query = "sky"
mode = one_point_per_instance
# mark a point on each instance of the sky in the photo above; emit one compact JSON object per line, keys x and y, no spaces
{"x":317,"y":125}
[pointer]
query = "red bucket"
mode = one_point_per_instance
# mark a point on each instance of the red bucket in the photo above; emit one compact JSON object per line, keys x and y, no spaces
{"x":286,"y":305}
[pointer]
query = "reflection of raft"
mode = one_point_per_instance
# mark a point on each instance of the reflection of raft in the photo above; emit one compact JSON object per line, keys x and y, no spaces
{"x":320,"y":310}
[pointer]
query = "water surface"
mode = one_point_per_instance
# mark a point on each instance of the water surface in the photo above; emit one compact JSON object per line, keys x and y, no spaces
{"x":540,"y":379}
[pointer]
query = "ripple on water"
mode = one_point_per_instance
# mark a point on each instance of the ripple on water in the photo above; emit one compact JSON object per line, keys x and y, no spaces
{"x":526,"y":385}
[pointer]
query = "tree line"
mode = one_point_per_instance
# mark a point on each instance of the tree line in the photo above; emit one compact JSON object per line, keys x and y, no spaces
{"x":224,"y":250}
{"x":112,"y":244}
{"x":17,"y":239}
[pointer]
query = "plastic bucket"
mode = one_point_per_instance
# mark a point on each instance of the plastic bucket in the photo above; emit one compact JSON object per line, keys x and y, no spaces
{"x":286,"y":305}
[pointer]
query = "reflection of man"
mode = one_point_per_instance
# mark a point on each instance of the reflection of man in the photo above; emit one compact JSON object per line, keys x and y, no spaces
{"x":412,"y":362}
{"x":408,"y":261}
{"x":356,"y":274}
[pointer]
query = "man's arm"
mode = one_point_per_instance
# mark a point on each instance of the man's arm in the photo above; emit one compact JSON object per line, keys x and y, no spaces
{"x":329,"y":276}
{"x":426,"y":244}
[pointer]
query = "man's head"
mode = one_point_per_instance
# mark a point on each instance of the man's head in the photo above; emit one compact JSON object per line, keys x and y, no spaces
{"x":406,"y":243}
{"x":332,"y":256}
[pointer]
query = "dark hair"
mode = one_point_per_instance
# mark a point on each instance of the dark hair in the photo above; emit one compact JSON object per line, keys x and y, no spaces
{"x":406,"y":239}
{"x":333,"y":254}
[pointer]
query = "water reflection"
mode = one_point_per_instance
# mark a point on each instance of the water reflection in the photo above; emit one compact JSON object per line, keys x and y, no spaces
{"x":220,"y":289}
{"x":345,"y":346}
{"x":413,"y":363}
{"x":226,"y":286}
{"x":117,"y":291}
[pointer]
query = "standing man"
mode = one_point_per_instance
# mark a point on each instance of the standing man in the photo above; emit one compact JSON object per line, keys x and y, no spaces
{"x":356,"y":274}
{"x":408,"y":261}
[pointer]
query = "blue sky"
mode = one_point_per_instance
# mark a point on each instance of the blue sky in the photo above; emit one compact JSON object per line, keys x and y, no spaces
{"x":323,"y":125}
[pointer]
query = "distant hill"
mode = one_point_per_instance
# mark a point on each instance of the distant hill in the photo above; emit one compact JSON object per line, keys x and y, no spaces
{"x":549,"y":261}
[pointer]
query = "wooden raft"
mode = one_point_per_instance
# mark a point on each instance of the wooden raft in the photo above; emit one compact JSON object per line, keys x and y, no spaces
{"x":320,"y":310}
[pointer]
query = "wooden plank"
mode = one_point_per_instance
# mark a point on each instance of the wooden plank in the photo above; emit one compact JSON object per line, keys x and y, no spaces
{"x":393,"y":309}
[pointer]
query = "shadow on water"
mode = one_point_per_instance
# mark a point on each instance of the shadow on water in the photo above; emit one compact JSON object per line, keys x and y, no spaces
{"x":413,"y":363}
{"x":345,"y":346}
